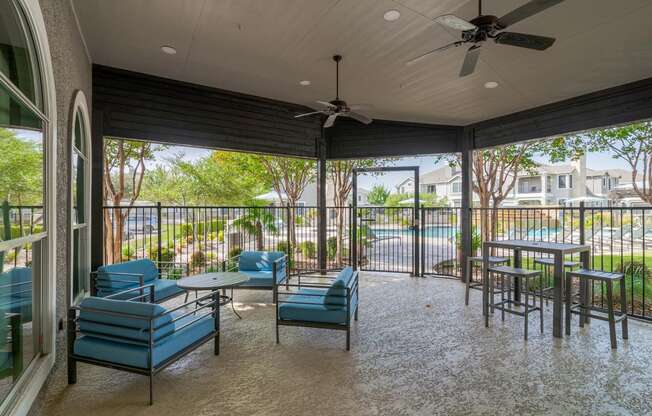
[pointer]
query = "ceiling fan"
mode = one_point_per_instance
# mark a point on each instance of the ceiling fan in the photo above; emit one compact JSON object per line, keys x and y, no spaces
{"x":484,"y":27}
{"x":337,"y":107}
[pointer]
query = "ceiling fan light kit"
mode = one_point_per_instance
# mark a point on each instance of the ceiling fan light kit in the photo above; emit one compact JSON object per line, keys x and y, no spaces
{"x":484,"y":27}
{"x":337,"y":107}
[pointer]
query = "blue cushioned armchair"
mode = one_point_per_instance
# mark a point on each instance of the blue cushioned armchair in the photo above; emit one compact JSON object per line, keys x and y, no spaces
{"x":113,"y":278}
{"x":264,"y":268}
{"x":16,"y":292}
{"x":322,"y":302}
{"x":138,"y":337}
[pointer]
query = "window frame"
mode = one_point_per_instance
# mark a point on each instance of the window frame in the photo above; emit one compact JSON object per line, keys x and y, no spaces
{"x":79,"y":108}
{"x":25,"y":390}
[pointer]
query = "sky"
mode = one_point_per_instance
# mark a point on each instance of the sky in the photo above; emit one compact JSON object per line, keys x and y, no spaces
{"x":391,"y":180}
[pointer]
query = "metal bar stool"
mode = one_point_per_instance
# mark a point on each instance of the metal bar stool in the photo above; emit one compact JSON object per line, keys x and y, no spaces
{"x":505,"y":305}
{"x":548,"y":262}
{"x":493,"y":261}
{"x":583,"y":309}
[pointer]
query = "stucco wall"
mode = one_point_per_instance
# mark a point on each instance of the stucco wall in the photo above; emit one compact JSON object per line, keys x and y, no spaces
{"x":72,"y":72}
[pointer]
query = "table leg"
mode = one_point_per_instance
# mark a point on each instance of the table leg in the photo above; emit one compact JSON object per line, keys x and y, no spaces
{"x":558,"y":299}
{"x":233,"y":306}
{"x":586,"y":295}
{"x":517,"y":281}
{"x":485,"y":284}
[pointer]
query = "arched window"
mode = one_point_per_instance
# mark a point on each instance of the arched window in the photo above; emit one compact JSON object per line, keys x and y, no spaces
{"x":27,"y":181}
{"x":80,"y":193}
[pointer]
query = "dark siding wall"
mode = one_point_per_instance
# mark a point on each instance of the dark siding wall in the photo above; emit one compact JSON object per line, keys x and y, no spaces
{"x":349,"y":139}
{"x":623,"y":104}
{"x":140,"y":106}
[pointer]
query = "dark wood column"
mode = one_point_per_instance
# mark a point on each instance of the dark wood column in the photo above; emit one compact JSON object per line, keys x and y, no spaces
{"x":467,"y":197}
{"x":322,"y":250}
{"x":97,"y":186}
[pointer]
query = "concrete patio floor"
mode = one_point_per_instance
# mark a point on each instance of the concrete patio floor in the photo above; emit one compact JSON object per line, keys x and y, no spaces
{"x":416,"y":350}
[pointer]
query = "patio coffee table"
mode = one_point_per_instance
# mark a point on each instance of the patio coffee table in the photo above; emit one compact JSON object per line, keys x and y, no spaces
{"x":215,"y":282}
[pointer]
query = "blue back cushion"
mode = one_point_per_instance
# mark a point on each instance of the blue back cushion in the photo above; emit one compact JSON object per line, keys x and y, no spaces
{"x":336,"y":293}
{"x":259,"y":260}
{"x":16,"y":284}
{"x":146,"y":267}
{"x":122,"y":328}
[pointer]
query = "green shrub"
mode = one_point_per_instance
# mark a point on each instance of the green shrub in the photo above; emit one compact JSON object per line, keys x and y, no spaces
{"x":167,"y":253}
{"x":308,"y":249}
{"x":331,"y":248}
{"x":198,"y":259}
{"x":220,"y":236}
{"x":212,"y":226}
{"x":186,"y":229}
{"x":282,"y":246}
{"x":128,"y":252}
{"x":235,"y":251}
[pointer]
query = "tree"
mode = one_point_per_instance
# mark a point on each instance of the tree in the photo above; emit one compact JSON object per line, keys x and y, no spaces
{"x":255,"y":221}
{"x":289,"y":177}
{"x":631,"y":143}
{"x":340,"y":173}
{"x":378,"y":195}
{"x":124,"y":160}
{"x":21,"y":169}
{"x":495,"y":172}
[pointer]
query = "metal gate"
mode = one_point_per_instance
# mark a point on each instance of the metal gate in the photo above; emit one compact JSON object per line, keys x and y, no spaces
{"x":387,"y":238}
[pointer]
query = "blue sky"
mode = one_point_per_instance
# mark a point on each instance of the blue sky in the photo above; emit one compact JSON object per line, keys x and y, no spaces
{"x":390,"y":180}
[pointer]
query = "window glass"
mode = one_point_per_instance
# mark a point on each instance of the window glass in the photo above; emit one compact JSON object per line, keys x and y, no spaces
{"x":17,"y":57}
{"x":561,"y":182}
{"x":17,"y":341}
{"x":80,"y":256}
{"x":13,"y":113}
{"x":21,"y":187}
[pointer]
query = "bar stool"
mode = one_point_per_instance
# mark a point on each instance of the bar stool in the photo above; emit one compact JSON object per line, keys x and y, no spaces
{"x":505,"y":305}
{"x":493,"y":261}
{"x":546,"y":263}
{"x":583,"y":309}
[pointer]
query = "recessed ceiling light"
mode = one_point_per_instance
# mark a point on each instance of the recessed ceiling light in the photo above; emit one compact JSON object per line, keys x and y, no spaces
{"x":305,"y":82}
{"x":490,"y":84}
{"x":391,"y":15}
{"x":168,"y":49}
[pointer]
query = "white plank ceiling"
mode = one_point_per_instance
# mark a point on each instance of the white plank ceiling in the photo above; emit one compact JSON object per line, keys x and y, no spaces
{"x":266,"y":47}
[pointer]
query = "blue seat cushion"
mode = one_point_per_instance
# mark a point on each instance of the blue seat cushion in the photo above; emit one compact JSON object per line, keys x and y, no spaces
{"x":102,"y":322}
{"x":257,"y":278}
{"x":136,"y":355}
{"x":304,"y":307}
{"x":164,"y":288}
{"x":336,"y":294}
{"x":259,"y":260}
{"x":144,"y":267}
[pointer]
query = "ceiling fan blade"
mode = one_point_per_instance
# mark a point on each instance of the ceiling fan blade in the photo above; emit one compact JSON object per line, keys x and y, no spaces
{"x":523,"y":40}
{"x":330,"y":120}
{"x":359,"y":117}
{"x":470,"y":60}
{"x":529,"y":9}
{"x":454,"y":22}
{"x":327,"y":104}
{"x":441,"y":48}
{"x":307,"y":114}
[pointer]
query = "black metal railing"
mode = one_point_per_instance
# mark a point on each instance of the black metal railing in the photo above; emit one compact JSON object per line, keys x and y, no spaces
{"x":620,"y":240}
{"x":388,"y":238}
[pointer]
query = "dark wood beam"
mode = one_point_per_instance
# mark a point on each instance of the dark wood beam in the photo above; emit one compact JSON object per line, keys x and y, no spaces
{"x":349,"y":139}
{"x":626,"y":103}
{"x":145,"y":107}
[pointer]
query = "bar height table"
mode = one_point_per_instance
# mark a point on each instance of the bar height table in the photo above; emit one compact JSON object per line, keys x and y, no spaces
{"x":558,"y":251}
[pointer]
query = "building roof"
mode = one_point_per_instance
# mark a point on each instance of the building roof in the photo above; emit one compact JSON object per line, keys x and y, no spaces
{"x":443,"y":174}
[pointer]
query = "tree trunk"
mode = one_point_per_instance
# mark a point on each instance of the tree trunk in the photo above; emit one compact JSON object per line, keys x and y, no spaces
{"x":260,"y":243}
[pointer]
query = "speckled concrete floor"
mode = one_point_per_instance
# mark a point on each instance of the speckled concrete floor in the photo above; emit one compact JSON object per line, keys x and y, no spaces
{"x":407,"y":358}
